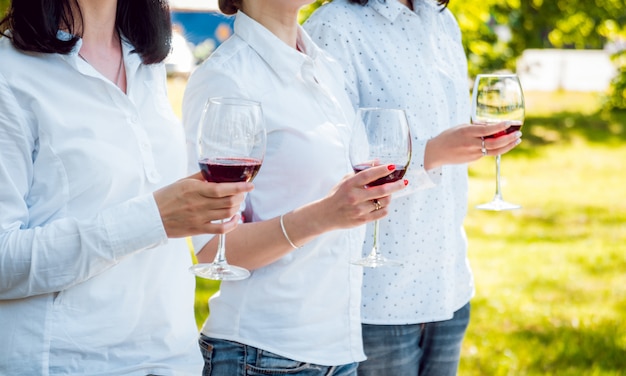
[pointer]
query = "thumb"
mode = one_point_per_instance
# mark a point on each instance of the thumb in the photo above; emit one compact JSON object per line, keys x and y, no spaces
{"x":196,"y":176}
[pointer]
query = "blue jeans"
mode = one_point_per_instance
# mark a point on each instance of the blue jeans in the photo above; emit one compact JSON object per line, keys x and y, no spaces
{"x":226,"y":358}
{"x":430,"y":349}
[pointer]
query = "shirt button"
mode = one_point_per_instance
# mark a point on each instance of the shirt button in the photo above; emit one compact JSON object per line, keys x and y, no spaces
{"x":134,"y":119}
{"x":153,"y":176}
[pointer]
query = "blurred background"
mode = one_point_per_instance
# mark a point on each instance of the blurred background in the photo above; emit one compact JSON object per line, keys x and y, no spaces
{"x":197,"y":29}
{"x":559,"y":45}
{"x":550,"y":277}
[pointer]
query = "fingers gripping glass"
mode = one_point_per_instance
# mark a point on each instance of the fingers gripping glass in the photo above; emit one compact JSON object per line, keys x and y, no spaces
{"x":381,"y":137}
{"x":497,"y":98}
{"x":231,"y":147}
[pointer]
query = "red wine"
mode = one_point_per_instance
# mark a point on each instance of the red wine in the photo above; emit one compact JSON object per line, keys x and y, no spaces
{"x":229,"y":170}
{"x":514,"y":126}
{"x":395,"y":175}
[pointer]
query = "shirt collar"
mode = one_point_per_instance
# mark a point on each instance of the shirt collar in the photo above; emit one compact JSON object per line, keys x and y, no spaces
{"x":131,"y":60}
{"x":390,"y":9}
{"x":284,"y":60}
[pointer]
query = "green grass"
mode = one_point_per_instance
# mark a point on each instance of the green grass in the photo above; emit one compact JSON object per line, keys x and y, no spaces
{"x":551,"y":277}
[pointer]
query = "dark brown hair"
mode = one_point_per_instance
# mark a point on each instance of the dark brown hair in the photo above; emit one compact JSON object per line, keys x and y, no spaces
{"x":229,"y":6}
{"x":32,"y":26}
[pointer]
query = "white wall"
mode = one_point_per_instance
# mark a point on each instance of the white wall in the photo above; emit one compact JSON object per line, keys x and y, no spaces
{"x":573,"y":70}
{"x":194,"y":4}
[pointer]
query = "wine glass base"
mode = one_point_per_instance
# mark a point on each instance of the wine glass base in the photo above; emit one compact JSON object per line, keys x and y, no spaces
{"x":219,"y":272}
{"x":498,"y":205}
{"x":376,"y":262}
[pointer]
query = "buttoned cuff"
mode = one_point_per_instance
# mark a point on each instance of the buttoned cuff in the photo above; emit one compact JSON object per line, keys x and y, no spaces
{"x":134,"y":225}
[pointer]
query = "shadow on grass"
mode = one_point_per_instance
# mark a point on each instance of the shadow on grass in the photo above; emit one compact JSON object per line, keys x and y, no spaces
{"x":554,"y":225}
{"x":576,"y":351}
{"x":608,"y":128}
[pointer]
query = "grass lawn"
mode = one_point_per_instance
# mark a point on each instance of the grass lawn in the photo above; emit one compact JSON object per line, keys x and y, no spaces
{"x":550,"y":277}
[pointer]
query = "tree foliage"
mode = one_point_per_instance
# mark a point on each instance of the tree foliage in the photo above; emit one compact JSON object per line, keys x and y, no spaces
{"x":4,"y":5}
{"x":496,"y":32}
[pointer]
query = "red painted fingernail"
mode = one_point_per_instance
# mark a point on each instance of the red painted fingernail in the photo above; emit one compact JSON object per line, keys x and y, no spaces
{"x":406,"y":182}
{"x":391,"y":167}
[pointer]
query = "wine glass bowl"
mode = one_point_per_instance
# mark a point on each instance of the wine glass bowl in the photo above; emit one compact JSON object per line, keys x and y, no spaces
{"x":231,"y":146}
{"x":381,"y":137}
{"x":498,"y":98}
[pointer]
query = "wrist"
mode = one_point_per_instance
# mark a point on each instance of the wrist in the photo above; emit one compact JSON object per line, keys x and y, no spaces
{"x":285,"y":233}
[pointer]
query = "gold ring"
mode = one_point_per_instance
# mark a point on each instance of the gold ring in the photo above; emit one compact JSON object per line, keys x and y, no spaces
{"x":377,"y":205}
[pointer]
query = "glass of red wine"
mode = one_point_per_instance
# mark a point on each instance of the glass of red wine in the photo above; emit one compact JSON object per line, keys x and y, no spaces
{"x":231,"y":147}
{"x":381,"y":137}
{"x":498,"y":98}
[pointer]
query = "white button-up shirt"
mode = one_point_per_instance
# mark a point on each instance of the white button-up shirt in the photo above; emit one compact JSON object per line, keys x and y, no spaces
{"x":89,"y":282}
{"x":395,"y":57}
{"x":304,"y":306}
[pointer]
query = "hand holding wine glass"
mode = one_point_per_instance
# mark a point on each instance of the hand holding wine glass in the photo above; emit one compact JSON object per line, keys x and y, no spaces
{"x":381,"y":136}
{"x":498,"y":98}
{"x":190,"y":206}
{"x":231,"y":147}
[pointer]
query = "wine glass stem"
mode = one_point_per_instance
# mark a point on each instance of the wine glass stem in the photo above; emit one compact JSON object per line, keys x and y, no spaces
{"x":220,"y":256}
{"x":374,"y":253}
{"x":498,"y":195}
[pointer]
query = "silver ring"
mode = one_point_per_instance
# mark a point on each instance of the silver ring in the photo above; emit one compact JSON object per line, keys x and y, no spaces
{"x":377,"y":205}
{"x":482,"y":147}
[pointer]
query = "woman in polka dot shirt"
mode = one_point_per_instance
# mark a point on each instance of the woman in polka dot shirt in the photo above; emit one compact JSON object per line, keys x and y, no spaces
{"x":408,"y":54}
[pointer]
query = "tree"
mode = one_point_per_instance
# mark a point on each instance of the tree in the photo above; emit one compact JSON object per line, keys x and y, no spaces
{"x":4,"y":5}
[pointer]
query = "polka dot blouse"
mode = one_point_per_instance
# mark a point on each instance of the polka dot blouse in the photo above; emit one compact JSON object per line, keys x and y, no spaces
{"x":410,"y":59}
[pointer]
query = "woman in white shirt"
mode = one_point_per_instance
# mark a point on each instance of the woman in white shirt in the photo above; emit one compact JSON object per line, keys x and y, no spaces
{"x":94,"y":203}
{"x":408,"y":54}
{"x":298,"y":313}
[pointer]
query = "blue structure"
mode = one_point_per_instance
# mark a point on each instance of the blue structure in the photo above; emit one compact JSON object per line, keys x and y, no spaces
{"x":198,"y":26}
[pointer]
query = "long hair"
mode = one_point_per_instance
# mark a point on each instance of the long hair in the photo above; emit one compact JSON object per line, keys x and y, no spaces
{"x":32,"y":26}
{"x":444,"y":3}
{"x":229,"y":7}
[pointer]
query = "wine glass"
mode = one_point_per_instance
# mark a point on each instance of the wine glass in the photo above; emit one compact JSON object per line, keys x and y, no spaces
{"x":231,"y":147}
{"x":498,"y":98}
{"x":381,"y":136}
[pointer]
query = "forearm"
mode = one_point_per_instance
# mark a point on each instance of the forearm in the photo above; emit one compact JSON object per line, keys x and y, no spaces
{"x":66,"y":252}
{"x":434,"y":154}
{"x":348,"y":204}
{"x":257,"y":244}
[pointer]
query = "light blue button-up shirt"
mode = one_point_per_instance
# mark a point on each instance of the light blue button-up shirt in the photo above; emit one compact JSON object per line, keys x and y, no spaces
{"x":414,"y":60}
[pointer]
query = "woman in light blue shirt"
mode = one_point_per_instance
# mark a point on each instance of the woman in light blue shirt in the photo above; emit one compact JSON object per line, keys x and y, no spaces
{"x":94,"y":203}
{"x":298,"y":313}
